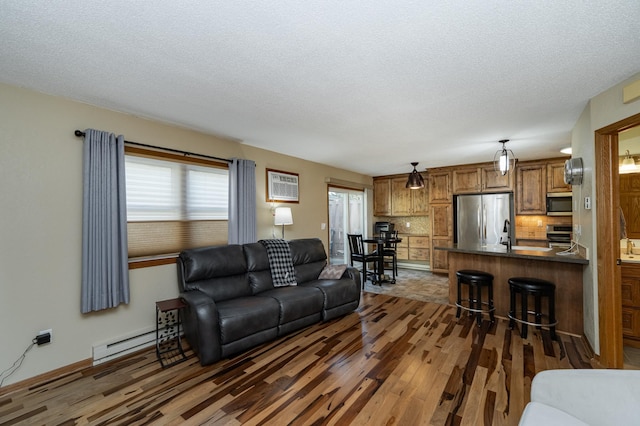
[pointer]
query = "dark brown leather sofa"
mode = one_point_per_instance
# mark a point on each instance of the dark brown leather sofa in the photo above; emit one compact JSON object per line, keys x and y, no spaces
{"x":232,"y":304}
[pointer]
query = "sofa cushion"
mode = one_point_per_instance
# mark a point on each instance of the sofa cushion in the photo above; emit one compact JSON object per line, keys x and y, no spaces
{"x":309,"y":258}
{"x":336,"y":292}
{"x":218,"y":271}
{"x":244,"y":316}
{"x":258,"y":267}
{"x":296,"y":302}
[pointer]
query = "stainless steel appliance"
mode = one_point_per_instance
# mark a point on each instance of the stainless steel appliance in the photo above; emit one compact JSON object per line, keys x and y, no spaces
{"x":559,"y":236}
{"x":483,"y":219}
{"x":559,"y":204}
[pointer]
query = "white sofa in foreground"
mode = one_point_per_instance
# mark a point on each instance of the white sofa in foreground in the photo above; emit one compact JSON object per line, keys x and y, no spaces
{"x":584,"y":397}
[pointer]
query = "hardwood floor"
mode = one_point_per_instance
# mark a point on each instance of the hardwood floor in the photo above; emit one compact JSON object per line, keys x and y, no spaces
{"x":394,"y":361}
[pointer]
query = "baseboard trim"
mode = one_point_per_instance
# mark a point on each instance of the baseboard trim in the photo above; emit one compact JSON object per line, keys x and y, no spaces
{"x":45,"y":377}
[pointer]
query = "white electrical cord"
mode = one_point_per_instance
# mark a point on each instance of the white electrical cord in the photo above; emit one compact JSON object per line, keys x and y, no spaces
{"x":573,"y":248}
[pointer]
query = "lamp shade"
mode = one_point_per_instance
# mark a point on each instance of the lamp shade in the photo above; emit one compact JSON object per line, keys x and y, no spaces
{"x":283,"y":216}
{"x":504,"y":160}
{"x":415,"y":180}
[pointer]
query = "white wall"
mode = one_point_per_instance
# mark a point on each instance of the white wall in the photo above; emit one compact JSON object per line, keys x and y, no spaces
{"x":41,"y":216}
{"x":605,"y":109}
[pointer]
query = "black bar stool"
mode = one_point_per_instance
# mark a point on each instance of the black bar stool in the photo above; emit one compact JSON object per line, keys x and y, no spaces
{"x":538,"y":289}
{"x":476,"y":280}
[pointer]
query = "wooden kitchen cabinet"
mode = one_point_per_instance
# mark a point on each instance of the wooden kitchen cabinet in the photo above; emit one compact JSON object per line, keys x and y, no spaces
{"x":391,"y":197}
{"x":555,"y":177}
{"x":531,"y":189}
{"x":408,"y":202}
{"x":440,"y":187}
{"x":382,"y":197}
{"x":630,"y":292}
{"x":400,"y":197}
{"x":402,"y":249}
{"x":480,"y":179}
{"x":419,"y":247}
{"x":441,"y":234}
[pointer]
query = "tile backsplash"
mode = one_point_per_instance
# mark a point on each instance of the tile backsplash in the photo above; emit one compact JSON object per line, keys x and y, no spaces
{"x":535,"y":227}
{"x":417,"y":224}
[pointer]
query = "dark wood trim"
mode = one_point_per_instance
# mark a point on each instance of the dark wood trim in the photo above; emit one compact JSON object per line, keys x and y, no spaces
{"x":606,"y":182}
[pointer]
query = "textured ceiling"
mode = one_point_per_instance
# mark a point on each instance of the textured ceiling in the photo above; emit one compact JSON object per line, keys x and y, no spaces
{"x":368,"y":86}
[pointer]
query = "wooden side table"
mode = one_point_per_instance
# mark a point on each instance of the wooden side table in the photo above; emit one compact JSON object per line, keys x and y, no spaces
{"x":168,"y":341}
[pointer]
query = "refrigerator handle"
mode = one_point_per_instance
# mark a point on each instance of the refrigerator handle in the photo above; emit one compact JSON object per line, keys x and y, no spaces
{"x":479,"y":224}
{"x":484,"y":223}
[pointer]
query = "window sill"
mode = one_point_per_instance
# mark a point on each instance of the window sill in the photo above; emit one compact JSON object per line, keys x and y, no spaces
{"x":149,"y":261}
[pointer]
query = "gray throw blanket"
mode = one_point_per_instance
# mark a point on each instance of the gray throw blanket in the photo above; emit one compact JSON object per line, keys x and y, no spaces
{"x":282,"y":271}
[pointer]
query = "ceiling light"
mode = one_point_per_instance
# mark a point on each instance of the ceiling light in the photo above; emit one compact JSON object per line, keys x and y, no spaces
{"x":504,"y":161}
{"x":628,"y":165}
{"x":415,"y":180}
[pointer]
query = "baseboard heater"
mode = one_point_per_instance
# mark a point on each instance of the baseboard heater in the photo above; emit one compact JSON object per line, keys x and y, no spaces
{"x":124,"y":345}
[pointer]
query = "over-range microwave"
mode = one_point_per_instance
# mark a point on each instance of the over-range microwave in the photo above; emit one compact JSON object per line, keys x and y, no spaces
{"x":559,"y":204}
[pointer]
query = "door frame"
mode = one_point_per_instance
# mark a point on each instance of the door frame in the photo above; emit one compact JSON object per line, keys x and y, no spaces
{"x":607,"y":191}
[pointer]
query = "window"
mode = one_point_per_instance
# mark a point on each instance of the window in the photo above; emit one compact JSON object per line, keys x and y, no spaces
{"x":174,"y":203}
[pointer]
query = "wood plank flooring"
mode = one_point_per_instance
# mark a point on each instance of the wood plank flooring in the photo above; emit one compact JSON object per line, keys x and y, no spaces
{"x":394,"y":361}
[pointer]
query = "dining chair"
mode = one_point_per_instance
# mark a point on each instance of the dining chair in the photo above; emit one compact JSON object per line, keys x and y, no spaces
{"x":358,"y":254}
{"x":390,"y":251}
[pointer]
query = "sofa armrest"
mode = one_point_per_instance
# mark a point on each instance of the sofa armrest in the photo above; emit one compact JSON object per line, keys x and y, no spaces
{"x":201,"y":326}
{"x":596,"y":397}
{"x":354,"y":274}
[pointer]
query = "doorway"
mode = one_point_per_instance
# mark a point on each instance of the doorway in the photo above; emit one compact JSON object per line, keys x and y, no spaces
{"x":347,"y":208}
{"x":607,"y":216}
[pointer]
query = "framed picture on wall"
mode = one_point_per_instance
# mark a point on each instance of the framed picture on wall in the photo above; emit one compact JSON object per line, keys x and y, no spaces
{"x":282,"y":186}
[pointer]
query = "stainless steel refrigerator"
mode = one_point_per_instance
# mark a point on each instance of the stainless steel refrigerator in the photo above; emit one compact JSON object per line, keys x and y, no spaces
{"x":483,"y":219}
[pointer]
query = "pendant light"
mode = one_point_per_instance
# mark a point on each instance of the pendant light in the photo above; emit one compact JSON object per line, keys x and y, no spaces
{"x":415,"y":180}
{"x":504,"y":161}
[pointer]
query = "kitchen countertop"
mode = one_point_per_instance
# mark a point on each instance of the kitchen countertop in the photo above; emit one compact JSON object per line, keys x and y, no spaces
{"x":520,"y":252}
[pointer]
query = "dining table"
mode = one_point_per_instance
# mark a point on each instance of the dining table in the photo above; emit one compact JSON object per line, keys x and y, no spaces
{"x":380,"y":241}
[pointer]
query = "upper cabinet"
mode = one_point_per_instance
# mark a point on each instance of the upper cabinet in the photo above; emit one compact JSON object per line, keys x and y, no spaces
{"x":392,"y":198}
{"x":382,"y":197}
{"x":477,"y":179}
{"x":440,"y":187}
{"x":534,"y":179}
{"x":555,"y":177}
{"x":531,"y":188}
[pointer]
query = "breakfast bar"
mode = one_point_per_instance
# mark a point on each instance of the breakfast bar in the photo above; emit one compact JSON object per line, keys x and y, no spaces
{"x":565,"y":270}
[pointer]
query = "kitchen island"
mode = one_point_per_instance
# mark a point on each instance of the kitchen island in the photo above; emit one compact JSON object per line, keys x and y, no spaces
{"x":565,"y":271}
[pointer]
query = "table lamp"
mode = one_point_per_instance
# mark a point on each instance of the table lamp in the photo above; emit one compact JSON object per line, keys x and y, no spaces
{"x":283,"y":217}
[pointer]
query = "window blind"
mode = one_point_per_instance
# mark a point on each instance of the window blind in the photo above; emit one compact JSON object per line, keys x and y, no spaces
{"x":174,"y":203}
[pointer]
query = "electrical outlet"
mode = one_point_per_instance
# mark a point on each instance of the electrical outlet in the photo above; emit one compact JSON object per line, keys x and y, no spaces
{"x":577,"y":229}
{"x":539,"y":223}
{"x":44,"y":336}
{"x":408,"y":224}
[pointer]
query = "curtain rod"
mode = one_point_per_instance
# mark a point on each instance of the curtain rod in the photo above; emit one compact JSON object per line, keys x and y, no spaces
{"x":81,"y":134}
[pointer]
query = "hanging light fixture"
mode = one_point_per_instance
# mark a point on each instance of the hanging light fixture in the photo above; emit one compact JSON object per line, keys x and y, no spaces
{"x":628,"y":165}
{"x":504,"y":161}
{"x":415,"y":180}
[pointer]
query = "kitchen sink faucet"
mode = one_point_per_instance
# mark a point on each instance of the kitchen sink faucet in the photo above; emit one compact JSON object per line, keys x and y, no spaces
{"x":507,"y":229}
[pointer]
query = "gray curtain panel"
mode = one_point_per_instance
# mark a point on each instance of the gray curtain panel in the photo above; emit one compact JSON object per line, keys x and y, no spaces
{"x":242,"y":202}
{"x":105,"y":270}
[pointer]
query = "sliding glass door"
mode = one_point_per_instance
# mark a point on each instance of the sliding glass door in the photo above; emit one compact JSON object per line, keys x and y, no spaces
{"x":347,"y":209}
